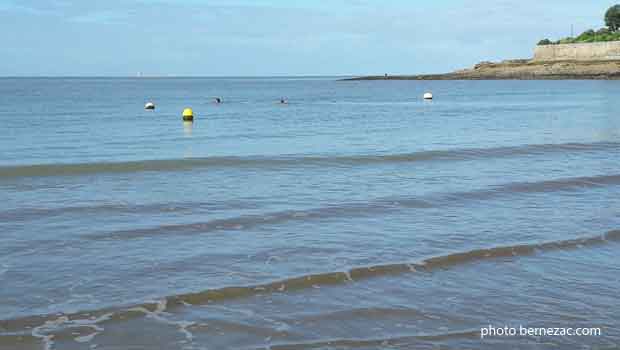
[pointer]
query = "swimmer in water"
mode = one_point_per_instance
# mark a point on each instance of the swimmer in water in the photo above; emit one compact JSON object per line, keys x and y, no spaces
{"x":218,"y":100}
{"x":283,"y":101}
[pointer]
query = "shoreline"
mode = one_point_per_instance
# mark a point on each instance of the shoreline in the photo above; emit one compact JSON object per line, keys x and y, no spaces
{"x":520,"y":70}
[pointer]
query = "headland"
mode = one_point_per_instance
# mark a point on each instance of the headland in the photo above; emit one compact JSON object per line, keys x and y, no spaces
{"x":598,"y":60}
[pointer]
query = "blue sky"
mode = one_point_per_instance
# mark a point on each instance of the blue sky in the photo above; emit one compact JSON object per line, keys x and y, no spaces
{"x":271,"y":37}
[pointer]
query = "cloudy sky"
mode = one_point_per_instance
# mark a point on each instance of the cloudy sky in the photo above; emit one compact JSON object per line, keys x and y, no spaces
{"x":276,"y":37}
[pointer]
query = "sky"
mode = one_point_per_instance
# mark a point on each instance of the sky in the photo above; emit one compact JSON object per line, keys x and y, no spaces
{"x":277,"y":37}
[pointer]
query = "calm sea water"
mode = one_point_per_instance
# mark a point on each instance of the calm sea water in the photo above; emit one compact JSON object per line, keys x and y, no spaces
{"x":358,"y":216}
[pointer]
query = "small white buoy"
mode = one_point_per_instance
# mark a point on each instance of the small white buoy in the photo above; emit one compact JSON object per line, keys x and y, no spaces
{"x":428,"y":96}
{"x":149,"y":105}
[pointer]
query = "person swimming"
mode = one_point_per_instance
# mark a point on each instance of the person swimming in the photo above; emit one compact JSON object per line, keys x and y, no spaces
{"x":283,"y":101}
{"x":218,"y":100}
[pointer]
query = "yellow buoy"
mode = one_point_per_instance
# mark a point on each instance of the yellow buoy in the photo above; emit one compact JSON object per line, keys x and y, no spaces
{"x":188,"y":115}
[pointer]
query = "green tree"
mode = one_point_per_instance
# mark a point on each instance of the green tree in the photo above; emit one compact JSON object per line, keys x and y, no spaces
{"x":612,"y":18}
{"x":545,"y":42}
{"x":603,"y":31}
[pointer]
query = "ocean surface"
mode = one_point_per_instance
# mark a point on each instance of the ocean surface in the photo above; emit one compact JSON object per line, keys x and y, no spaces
{"x":357,"y":216}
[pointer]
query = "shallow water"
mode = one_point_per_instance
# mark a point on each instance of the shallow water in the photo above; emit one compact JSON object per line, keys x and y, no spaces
{"x":358,"y":216}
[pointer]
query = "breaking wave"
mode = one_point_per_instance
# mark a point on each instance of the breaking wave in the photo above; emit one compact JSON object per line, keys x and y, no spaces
{"x":39,"y":170}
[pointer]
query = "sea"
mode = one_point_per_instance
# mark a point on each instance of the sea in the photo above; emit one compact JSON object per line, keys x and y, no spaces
{"x":355,"y":216}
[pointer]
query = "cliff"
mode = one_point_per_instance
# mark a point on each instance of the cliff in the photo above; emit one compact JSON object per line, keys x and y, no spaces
{"x":598,"y":51}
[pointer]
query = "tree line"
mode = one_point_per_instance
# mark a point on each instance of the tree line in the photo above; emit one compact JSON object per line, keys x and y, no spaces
{"x":609,"y":33}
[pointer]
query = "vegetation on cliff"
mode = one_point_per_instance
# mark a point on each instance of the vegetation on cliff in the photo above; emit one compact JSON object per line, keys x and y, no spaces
{"x":609,"y":33}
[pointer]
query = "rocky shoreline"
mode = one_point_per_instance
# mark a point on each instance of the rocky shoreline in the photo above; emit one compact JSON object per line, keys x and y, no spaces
{"x":521,"y":70}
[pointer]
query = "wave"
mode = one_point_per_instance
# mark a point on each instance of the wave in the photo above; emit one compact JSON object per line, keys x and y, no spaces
{"x":342,"y":209}
{"x":43,"y":170}
{"x":361,"y":209}
{"x":361,"y":273}
{"x":382,"y":343}
{"x":124,"y":208}
{"x":312,"y":281}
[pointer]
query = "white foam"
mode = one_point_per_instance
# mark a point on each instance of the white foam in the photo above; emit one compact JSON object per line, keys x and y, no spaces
{"x":160,"y":314}
{"x":45,"y":331}
{"x":47,"y":339}
{"x":183,"y":328}
{"x":51,"y":325}
{"x":282,"y":327}
{"x":86,"y":338}
{"x":347,"y":274}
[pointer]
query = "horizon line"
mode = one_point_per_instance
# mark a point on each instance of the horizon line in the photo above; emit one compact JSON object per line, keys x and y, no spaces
{"x":175,"y":76}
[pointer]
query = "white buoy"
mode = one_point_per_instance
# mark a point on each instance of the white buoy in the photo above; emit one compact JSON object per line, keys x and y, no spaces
{"x":428,"y":96}
{"x":149,"y":105}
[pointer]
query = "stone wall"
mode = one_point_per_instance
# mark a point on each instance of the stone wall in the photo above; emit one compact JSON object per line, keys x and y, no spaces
{"x":579,"y":52}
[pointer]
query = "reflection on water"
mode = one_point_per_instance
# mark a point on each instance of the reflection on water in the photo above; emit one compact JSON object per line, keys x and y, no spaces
{"x":187,"y":128}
